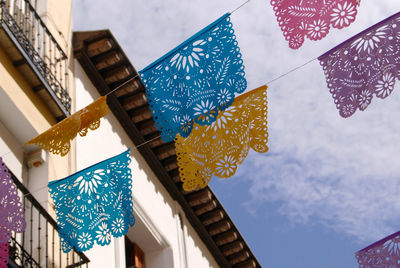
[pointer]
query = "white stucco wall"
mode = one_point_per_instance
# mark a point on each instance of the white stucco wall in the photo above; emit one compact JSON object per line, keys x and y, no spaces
{"x":158,"y":232}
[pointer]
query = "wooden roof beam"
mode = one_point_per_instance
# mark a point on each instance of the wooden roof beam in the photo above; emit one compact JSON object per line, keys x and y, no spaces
{"x":219,"y":227}
{"x":226,"y":238}
{"x":165,"y":151}
{"x":198,"y":198}
{"x":117,"y":74}
{"x":246,"y":264}
{"x":134,"y":101}
{"x":147,"y":127}
{"x":170,"y":163}
{"x":205,"y":208}
{"x":107,"y":60}
{"x":141,"y":114}
{"x":98,"y":47}
{"x":238,"y":257}
{"x":175,"y":175}
{"x":155,"y":140}
{"x":232,"y":248}
{"x":128,"y":88}
{"x":212,"y":217}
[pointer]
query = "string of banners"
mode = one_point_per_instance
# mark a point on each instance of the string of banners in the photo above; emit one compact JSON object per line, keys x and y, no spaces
{"x":193,"y":92}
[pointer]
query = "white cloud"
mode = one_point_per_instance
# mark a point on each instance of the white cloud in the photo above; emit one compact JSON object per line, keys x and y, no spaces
{"x":343,"y":173}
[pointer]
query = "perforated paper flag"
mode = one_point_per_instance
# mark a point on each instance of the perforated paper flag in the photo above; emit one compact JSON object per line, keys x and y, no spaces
{"x":363,"y":66}
{"x":57,"y":139}
{"x":196,"y":80}
{"x":312,"y":18}
{"x":384,"y":253}
{"x":218,"y":149}
{"x":94,"y":204}
{"x":11,"y":211}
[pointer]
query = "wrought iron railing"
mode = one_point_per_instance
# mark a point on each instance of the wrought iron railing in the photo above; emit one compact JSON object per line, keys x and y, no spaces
{"x":34,"y":40}
{"x":39,"y":245}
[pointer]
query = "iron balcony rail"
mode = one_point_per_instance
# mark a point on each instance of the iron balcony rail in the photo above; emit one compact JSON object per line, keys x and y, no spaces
{"x":39,"y":245}
{"x":33,"y":39}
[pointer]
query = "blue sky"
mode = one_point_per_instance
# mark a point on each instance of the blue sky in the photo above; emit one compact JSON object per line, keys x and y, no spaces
{"x":279,"y":243}
{"x":328,"y":186}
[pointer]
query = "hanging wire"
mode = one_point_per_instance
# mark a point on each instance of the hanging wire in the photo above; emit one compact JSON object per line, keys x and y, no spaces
{"x":123,"y":84}
{"x":291,"y":71}
{"x":239,"y":7}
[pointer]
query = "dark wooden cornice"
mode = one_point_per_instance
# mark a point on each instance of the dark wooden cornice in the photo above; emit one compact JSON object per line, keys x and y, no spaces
{"x":107,"y":66}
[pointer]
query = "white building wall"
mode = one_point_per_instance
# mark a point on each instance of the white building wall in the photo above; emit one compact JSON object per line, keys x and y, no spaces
{"x":157,"y":229}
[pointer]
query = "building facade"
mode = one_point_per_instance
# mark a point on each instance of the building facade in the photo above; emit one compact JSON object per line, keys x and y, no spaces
{"x":47,"y":72}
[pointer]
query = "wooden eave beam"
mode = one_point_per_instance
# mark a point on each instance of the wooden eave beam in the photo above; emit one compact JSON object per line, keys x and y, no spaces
{"x":246,"y":264}
{"x":232,"y":248}
{"x":200,"y":197}
{"x":98,"y":47}
{"x":219,"y":227}
{"x":205,"y":207}
{"x":238,"y":257}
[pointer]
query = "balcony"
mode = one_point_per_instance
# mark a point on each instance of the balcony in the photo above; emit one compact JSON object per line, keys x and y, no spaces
{"x":39,"y":245}
{"x":36,"y":53}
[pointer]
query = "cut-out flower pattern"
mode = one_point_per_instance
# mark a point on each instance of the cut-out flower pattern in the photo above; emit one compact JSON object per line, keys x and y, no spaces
{"x":89,"y":182}
{"x":218,"y":149}
{"x":226,"y":166}
{"x":102,"y":235}
{"x":384,"y":253}
{"x":205,"y":112}
{"x":343,"y":14}
{"x":95,"y":203}
{"x":363,"y":66}
{"x":365,"y":99}
{"x":186,"y":125}
{"x":385,"y":86}
{"x":369,"y":41}
{"x":118,"y":226}
{"x":85,"y":241}
{"x":317,"y":30}
{"x":198,"y":79}
{"x":312,"y":18}
{"x":189,"y":57}
{"x":224,"y":97}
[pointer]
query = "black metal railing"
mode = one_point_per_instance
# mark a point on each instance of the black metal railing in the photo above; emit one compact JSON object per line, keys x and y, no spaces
{"x":40,"y":245}
{"x":34,"y":40}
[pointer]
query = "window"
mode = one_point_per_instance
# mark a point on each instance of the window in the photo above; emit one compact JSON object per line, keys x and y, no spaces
{"x":134,"y":255}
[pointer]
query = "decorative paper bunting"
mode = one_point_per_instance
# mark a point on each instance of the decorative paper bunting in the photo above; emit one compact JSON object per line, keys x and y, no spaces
{"x":312,"y":18}
{"x":364,"y":65}
{"x":219,"y":148}
{"x":195,"y":80}
{"x":57,"y":139}
{"x":94,"y":204}
{"x":11,"y":211}
{"x":3,"y":255}
{"x":383,"y":254}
